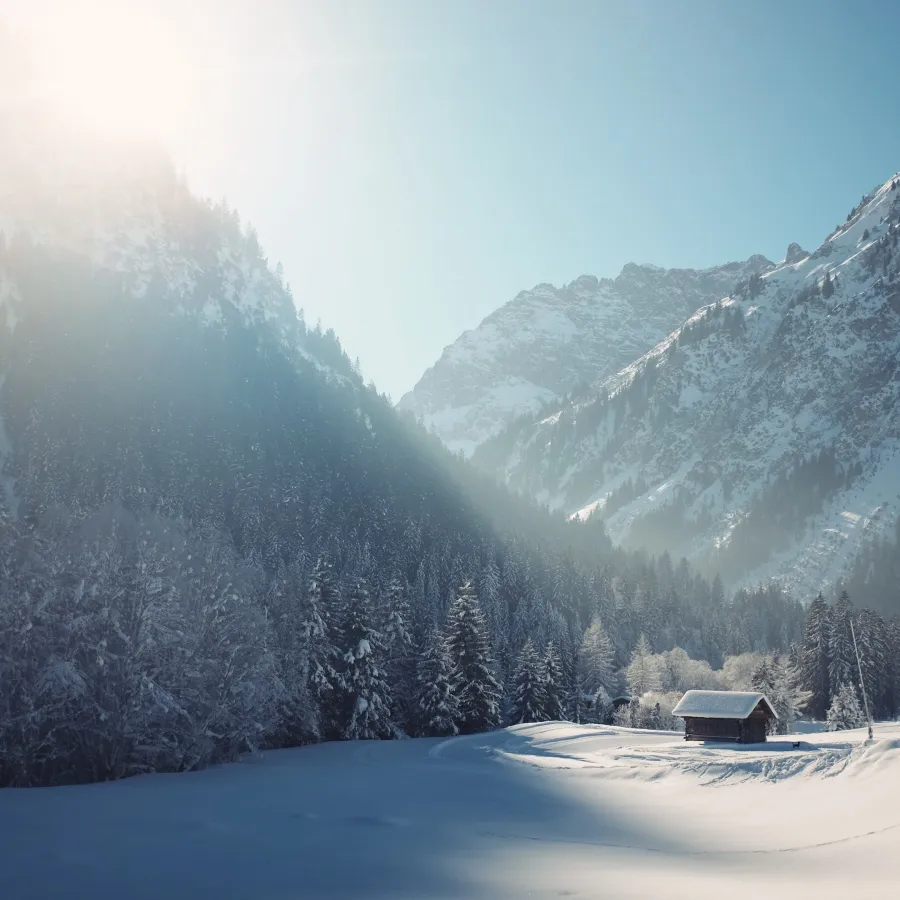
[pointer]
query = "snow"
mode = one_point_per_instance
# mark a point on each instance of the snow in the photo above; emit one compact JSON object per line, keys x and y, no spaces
{"x":488,"y":415}
{"x":540,"y":811}
{"x":720,"y":704}
{"x":534,"y":350}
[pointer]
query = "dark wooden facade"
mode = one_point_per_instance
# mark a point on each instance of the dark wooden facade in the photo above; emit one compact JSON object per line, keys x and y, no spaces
{"x":751,"y":730}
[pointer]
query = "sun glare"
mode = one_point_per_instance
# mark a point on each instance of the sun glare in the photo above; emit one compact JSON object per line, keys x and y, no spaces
{"x":121,"y":74}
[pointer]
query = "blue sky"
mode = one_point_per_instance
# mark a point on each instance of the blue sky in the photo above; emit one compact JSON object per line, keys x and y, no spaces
{"x":414,"y":165}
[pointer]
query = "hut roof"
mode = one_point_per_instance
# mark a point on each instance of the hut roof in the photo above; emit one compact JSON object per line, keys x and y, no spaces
{"x":721,"y":704}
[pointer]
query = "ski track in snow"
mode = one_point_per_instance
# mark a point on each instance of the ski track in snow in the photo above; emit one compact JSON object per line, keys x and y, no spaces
{"x":843,"y":840}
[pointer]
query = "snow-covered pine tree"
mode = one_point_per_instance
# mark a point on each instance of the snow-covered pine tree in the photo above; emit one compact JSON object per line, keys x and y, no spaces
{"x":366,"y":700}
{"x":842,"y":668}
{"x":845,"y":711}
{"x":642,"y":673}
{"x":871,"y":637}
{"x":400,"y":660}
{"x":786,"y":693}
{"x":763,"y":677}
{"x":475,"y":686}
{"x":893,"y":673}
{"x":530,"y":621}
{"x":815,"y":657}
{"x":554,"y":688}
{"x":320,"y":633}
{"x":494,"y":606}
{"x":436,"y":711}
{"x":763,"y":680}
{"x":595,"y":664}
{"x":285,"y":606}
{"x":529,"y":690}
{"x":577,"y":706}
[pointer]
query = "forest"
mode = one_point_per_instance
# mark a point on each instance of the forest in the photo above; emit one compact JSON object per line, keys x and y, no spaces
{"x":217,"y":539}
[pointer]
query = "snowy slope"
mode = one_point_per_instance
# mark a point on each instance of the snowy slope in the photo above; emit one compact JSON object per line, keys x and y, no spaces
{"x":122,"y":207}
{"x":548,"y":341}
{"x":762,"y":437}
{"x":547,"y":810}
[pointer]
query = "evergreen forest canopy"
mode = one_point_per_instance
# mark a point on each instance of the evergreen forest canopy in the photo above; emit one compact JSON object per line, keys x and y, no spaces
{"x":215,"y":538}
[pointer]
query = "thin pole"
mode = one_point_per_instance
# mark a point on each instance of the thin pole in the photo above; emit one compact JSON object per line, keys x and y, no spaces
{"x":862,"y":683}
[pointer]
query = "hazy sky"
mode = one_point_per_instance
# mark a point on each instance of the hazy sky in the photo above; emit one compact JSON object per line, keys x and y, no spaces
{"x":415,"y":164}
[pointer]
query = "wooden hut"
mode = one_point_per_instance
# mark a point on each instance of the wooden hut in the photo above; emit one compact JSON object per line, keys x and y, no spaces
{"x":737,"y":716}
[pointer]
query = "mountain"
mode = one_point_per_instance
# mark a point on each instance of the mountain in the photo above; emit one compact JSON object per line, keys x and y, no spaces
{"x":549,"y":342}
{"x":215,"y":538}
{"x":760,"y":438}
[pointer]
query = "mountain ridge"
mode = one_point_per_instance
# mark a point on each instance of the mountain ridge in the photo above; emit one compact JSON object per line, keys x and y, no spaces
{"x":548,"y":341}
{"x":783,"y":390}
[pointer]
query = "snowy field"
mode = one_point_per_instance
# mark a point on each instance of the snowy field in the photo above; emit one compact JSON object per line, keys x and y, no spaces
{"x":552,"y":810}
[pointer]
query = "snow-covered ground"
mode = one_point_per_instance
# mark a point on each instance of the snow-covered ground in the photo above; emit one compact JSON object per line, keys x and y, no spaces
{"x":552,"y":810}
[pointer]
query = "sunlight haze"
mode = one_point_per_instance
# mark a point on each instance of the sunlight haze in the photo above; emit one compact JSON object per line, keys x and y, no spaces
{"x":449,"y":449}
{"x":414,"y":166}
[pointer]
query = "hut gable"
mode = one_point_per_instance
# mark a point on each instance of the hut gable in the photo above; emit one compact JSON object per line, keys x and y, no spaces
{"x":722,"y":705}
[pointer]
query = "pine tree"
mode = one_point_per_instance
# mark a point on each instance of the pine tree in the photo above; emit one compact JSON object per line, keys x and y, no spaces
{"x":815,"y":658}
{"x":754,"y":284}
{"x":494,"y":607}
{"x":872,"y":640}
{"x":595,"y":660}
{"x":845,"y":711}
{"x":892,"y":673}
{"x":286,"y":610}
{"x":365,"y":692}
{"x":842,"y":668}
{"x":436,"y":710}
{"x":529,"y":689}
{"x":575,"y":696}
{"x":786,"y":693}
{"x":475,"y":686}
{"x":553,"y":685}
{"x":400,"y":661}
{"x":763,"y":678}
{"x":318,"y":627}
{"x":827,"y":286}
{"x":642,"y":673}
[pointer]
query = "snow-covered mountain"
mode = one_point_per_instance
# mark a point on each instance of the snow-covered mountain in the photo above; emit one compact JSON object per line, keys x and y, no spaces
{"x":121,"y":206}
{"x":762,"y":437}
{"x":548,"y":341}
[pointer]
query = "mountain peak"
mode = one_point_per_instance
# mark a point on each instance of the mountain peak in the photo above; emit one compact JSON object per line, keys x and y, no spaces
{"x":548,"y":341}
{"x":121,"y":204}
{"x":795,"y":253}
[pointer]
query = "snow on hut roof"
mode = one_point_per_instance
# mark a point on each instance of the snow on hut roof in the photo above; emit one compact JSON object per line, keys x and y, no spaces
{"x":720,"y":704}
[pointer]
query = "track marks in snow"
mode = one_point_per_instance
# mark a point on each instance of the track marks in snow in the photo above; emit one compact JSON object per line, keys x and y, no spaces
{"x":687,"y":852}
